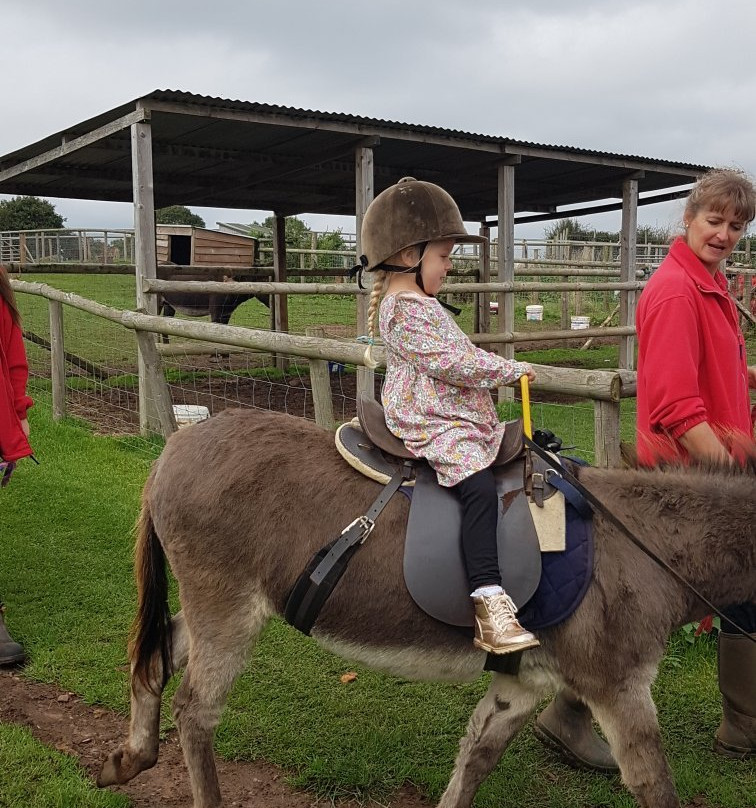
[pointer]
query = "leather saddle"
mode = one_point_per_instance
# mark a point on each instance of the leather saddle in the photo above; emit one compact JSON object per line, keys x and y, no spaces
{"x":434,"y":569}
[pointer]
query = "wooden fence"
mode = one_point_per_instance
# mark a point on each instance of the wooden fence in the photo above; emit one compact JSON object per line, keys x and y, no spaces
{"x":605,"y":388}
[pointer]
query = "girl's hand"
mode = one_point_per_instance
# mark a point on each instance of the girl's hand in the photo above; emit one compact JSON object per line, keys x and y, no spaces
{"x":530,"y":373}
{"x":25,"y":426}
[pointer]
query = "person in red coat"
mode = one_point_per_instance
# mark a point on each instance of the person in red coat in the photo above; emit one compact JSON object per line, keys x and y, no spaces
{"x":693,"y":393}
{"x":14,"y":426}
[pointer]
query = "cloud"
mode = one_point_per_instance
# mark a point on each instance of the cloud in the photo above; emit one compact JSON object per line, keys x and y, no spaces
{"x":665,"y":79}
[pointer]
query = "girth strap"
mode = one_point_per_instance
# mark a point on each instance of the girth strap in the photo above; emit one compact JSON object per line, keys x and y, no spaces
{"x":315,"y":584}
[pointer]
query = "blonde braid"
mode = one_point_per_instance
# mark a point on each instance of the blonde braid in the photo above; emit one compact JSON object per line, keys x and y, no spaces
{"x":379,"y":285}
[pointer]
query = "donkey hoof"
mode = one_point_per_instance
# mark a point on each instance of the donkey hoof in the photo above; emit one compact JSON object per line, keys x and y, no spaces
{"x":111,"y":767}
{"x":120,"y":767}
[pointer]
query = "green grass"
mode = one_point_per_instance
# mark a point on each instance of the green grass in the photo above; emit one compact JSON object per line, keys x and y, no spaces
{"x":66,"y":577}
{"x":32,"y":776}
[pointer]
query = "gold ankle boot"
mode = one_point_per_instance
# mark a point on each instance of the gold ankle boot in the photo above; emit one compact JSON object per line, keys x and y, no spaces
{"x":497,"y":630}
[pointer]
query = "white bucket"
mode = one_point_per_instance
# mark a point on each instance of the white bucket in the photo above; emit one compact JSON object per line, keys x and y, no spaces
{"x":578,"y":323}
{"x":190,"y":413}
{"x":534,"y":312}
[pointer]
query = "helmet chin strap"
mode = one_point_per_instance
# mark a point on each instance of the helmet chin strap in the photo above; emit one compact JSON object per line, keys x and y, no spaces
{"x":417,"y":269}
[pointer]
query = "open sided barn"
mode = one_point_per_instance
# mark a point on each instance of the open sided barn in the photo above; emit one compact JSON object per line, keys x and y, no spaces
{"x":170,"y":147}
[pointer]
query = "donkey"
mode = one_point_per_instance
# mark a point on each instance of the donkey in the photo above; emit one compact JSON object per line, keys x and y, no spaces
{"x":272,"y":490}
{"x":220,"y":307}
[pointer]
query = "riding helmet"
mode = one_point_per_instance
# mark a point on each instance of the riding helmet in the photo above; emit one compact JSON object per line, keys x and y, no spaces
{"x":408,"y":213}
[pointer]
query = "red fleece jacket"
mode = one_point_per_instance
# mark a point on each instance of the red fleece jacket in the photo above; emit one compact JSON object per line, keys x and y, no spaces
{"x":691,"y":357}
{"x":14,"y":371}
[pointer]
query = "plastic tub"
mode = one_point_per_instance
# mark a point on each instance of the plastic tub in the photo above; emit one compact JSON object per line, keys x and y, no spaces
{"x":190,"y":413}
{"x":534,"y":312}
{"x":578,"y":323}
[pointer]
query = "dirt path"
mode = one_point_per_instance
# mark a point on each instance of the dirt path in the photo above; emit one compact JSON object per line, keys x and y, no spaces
{"x":62,"y":721}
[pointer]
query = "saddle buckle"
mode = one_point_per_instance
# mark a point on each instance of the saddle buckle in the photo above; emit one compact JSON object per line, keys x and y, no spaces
{"x":364,"y":523}
{"x":537,"y":485}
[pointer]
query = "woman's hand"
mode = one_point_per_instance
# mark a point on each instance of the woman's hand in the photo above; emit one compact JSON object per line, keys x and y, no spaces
{"x":752,"y":376}
{"x":701,"y":443}
{"x":25,"y":426}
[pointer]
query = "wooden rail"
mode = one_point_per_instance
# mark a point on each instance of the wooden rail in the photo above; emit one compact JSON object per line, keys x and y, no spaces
{"x":605,"y":387}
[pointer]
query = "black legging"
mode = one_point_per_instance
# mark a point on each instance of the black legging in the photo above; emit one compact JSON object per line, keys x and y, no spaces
{"x":480,"y":511}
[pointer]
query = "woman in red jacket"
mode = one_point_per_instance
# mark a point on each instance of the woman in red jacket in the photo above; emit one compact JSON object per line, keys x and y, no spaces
{"x":693,"y":392}
{"x":14,"y":426}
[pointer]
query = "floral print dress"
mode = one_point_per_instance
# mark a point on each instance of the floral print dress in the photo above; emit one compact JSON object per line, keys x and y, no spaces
{"x":436,"y":394}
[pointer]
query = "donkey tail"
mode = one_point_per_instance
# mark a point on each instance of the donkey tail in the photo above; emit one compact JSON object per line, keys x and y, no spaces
{"x":151,"y":632}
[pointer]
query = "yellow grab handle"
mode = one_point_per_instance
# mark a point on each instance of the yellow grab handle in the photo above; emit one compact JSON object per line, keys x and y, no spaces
{"x":526,"y":422}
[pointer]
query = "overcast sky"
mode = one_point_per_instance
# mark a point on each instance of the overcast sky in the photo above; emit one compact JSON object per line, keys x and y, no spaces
{"x":670,"y":79}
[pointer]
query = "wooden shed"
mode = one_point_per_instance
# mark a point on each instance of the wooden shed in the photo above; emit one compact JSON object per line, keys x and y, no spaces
{"x":183,"y":244}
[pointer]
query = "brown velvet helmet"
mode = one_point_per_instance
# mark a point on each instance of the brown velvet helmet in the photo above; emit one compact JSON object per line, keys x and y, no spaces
{"x":408,"y":213}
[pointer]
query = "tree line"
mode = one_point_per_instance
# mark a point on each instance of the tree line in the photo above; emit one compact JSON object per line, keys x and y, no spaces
{"x":33,"y":213}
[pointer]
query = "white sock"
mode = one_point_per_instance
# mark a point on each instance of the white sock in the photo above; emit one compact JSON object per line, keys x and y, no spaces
{"x":487,"y":591}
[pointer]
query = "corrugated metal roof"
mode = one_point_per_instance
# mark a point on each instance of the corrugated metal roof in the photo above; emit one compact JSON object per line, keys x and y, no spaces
{"x":227,"y":153}
{"x":304,"y":114}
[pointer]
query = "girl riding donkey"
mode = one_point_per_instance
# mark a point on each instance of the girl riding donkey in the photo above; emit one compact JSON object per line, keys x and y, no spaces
{"x":436,"y":393}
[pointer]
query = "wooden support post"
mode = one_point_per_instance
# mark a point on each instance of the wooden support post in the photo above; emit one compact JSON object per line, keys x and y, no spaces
{"x":483,"y":309}
{"x":57,"y":361}
{"x":506,"y":195}
{"x":364,"y":193}
{"x":280,"y":306}
{"x":607,"y":434}
{"x":145,"y":259}
{"x":627,"y":268}
{"x":320,"y":379}
{"x":562,"y":250}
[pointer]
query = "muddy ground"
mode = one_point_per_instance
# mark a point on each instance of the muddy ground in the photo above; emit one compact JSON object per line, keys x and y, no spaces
{"x":62,"y":721}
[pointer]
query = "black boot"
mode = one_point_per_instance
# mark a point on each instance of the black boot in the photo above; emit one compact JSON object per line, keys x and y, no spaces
{"x":736,"y":736}
{"x":11,"y":653}
{"x":566,"y":725}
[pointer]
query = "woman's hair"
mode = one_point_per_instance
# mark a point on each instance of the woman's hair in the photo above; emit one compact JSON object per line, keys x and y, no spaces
{"x":380,"y":282}
{"x":720,"y":189}
{"x":6,"y":293}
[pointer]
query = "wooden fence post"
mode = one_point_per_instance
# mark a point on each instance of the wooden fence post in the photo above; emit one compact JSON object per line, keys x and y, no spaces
{"x":57,"y":360}
{"x":320,"y":379}
{"x":606,"y":435}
